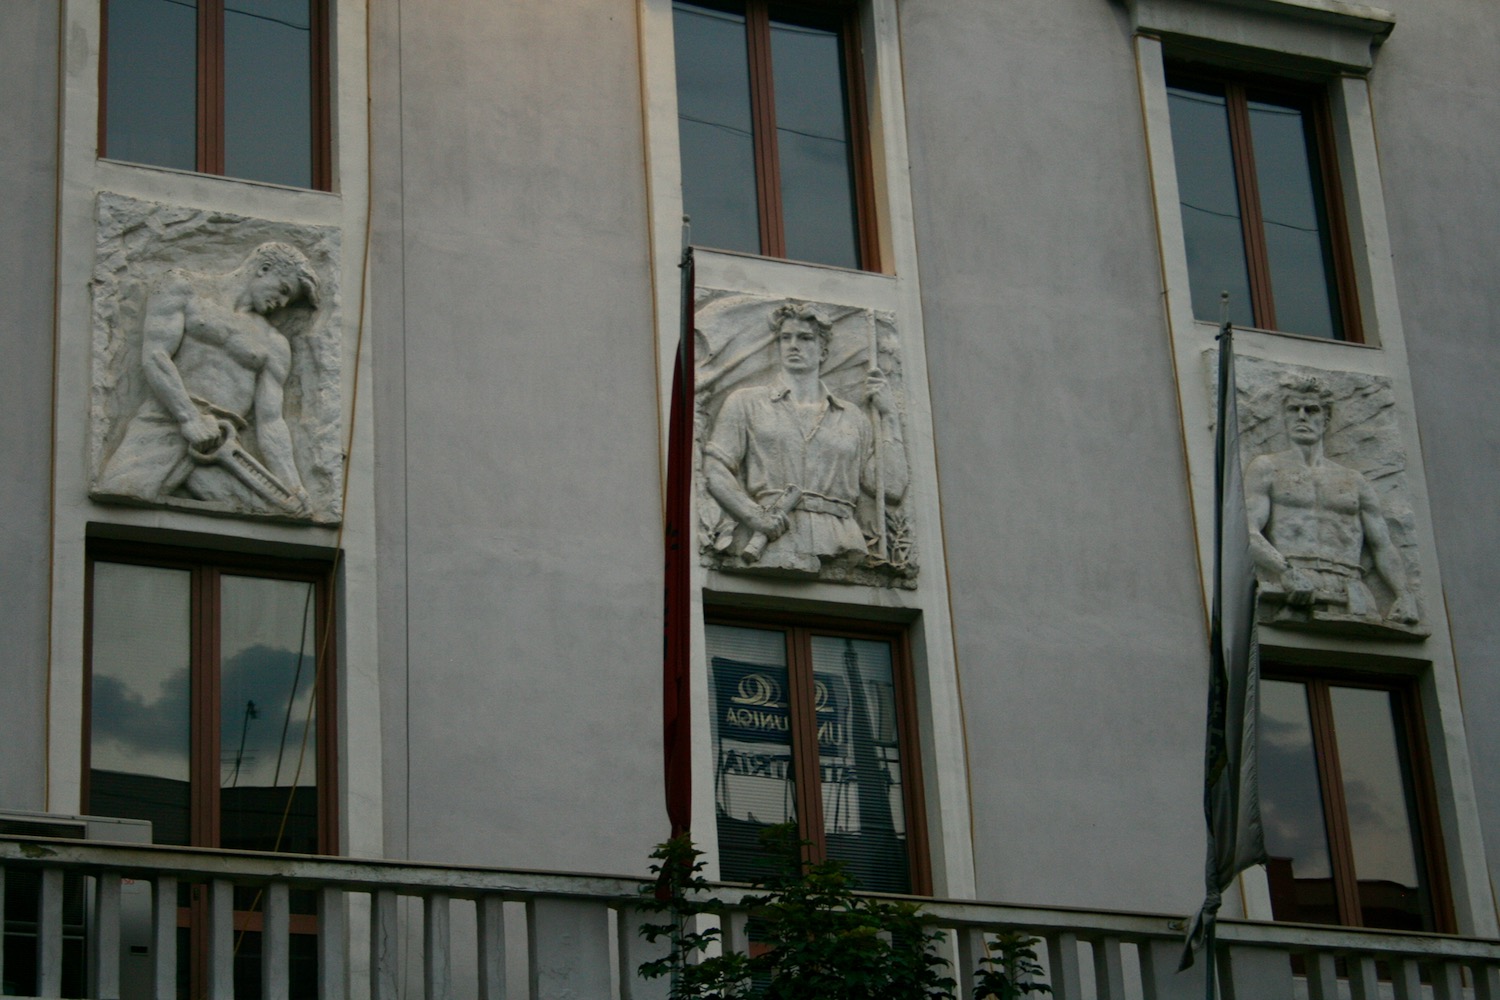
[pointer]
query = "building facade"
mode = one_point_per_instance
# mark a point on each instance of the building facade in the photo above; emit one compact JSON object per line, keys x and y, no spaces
{"x":339,"y":346}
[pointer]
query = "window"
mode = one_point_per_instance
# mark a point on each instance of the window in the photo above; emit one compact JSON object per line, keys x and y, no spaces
{"x":1347,"y":802}
{"x":826,"y":699}
{"x":234,"y":87}
{"x":771,"y":128}
{"x":1261,"y":214}
{"x":210,"y":710}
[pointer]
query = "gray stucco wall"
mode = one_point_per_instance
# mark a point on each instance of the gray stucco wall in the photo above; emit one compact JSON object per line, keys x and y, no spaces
{"x":516,"y":408}
{"x":1078,"y":615}
{"x":28,"y":176}
{"x":1439,"y":124}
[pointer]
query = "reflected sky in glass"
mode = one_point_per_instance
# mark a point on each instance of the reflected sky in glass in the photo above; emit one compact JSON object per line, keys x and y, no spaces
{"x":268,"y":91}
{"x":140,"y":712}
{"x":813,"y":145}
{"x":151,"y":87}
{"x":1292,"y":212}
{"x":1210,"y":205}
{"x":268,"y":723}
{"x":714,"y":128}
{"x":1292,"y":803}
{"x":1376,"y":794}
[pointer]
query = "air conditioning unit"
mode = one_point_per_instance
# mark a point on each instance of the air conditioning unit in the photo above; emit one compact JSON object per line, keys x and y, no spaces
{"x":22,"y":891}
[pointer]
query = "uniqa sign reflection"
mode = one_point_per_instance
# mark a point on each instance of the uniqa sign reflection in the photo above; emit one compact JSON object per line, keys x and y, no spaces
{"x":753,"y":705}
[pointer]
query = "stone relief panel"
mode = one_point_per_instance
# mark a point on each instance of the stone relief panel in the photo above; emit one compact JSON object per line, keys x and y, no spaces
{"x":802,"y":460}
{"x":1332,"y":532}
{"x":216,"y":363}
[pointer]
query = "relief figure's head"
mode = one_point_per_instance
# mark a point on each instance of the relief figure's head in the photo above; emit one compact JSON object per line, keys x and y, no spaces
{"x":278,"y":275}
{"x":802,"y":336}
{"x":1306,"y":408}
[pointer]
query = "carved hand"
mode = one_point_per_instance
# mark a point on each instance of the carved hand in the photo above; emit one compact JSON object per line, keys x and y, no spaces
{"x":1299,"y":589}
{"x":877,"y":392}
{"x":200,"y":431}
{"x":771,"y":523}
{"x":1404,"y":611}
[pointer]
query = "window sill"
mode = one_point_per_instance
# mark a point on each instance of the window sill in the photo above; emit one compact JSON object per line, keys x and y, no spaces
{"x":127,"y":166}
{"x":1208,"y":328}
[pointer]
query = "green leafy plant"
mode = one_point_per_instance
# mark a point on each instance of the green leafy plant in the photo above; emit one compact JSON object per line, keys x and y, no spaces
{"x":815,"y":937}
{"x":681,"y":893}
{"x":1009,"y":969}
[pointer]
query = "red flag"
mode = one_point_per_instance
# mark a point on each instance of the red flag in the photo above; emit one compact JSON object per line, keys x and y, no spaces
{"x":676,"y":659}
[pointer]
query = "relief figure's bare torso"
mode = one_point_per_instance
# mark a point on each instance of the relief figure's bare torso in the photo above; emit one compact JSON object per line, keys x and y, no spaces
{"x":1315,"y":511}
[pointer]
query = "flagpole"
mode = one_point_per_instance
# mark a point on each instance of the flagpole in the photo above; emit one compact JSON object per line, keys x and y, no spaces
{"x":1231,"y":794}
{"x":1213,"y":898}
{"x":676,"y":632}
{"x":880,"y":545}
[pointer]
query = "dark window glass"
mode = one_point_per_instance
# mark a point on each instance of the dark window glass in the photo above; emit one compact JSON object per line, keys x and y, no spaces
{"x":814,"y":145}
{"x":151,"y":69}
{"x":859,"y":755}
{"x":1340,"y":794}
{"x":1291,"y":208}
{"x":766,"y":129}
{"x":235,"y":87}
{"x":754,"y":783}
{"x":1257,"y":210}
{"x":714,"y":129}
{"x":268,"y":90}
{"x":1210,"y":200}
{"x":1301,"y":871}
{"x":797,"y":701}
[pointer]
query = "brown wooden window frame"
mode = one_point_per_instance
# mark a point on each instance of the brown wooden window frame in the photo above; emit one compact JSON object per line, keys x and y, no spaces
{"x":798,"y":630}
{"x":209,"y":98}
{"x":845,"y":16}
{"x":1312,"y":100}
{"x":206,"y":567}
{"x":1412,"y":753}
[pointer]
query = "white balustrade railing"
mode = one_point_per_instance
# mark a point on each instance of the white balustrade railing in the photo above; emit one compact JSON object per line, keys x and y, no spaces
{"x":542,"y":935}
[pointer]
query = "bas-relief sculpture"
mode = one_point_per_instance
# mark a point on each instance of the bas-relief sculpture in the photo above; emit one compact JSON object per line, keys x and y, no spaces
{"x":216,"y":382}
{"x":803,"y":468}
{"x":1330,"y":525}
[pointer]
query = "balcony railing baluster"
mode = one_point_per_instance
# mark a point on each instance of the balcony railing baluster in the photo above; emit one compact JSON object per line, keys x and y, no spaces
{"x":490,"y":917}
{"x":1322,"y":976}
{"x":164,"y":937}
{"x":1062,"y":961}
{"x":221,"y":939}
{"x":437,"y":976}
{"x":104,"y":937}
{"x":275,"y":947}
{"x":333,"y":935}
{"x":1109,"y":968}
{"x":583,"y":934}
{"x":385,"y":981}
{"x":49,"y":940}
